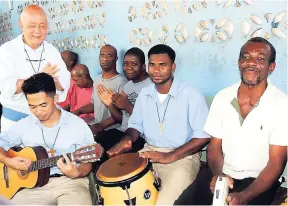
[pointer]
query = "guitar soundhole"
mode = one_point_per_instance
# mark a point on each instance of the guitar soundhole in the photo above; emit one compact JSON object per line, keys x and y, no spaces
{"x":23,"y":174}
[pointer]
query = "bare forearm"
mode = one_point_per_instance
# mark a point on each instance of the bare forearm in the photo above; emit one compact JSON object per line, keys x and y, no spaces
{"x":107,"y":122}
{"x":115,"y":113}
{"x":267,"y":177}
{"x":191,"y":147}
{"x":89,"y":108}
{"x":263,"y":182}
{"x":84,"y":169}
{"x":19,"y":84}
{"x":215,"y":159}
{"x":131,"y":134}
{"x":129,"y":108}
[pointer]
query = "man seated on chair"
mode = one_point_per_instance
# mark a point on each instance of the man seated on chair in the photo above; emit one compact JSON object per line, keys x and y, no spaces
{"x":134,"y":68}
{"x":248,"y":124}
{"x":171,"y":115}
{"x":80,"y":92}
{"x":59,"y":132}
{"x":111,"y":79}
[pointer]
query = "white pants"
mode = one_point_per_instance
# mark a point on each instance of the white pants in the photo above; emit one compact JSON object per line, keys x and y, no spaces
{"x":176,"y":176}
{"x":58,"y":191}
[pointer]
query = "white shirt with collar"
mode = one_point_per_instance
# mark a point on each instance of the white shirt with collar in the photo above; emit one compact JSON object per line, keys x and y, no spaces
{"x":73,"y":134}
{"x":15,"y":64}
{"x":245,"y":143}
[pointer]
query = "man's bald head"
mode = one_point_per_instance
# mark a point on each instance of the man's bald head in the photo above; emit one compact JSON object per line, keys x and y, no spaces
{"x":81,"y":76}
{"x":113,"y":49}
{"x":107,"y":58}
{"x":34,"y":24}
{"x":70,"y":58}
{"x":81,"y":70}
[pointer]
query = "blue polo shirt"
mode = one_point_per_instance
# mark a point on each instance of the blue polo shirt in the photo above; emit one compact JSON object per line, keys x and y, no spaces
{"x":185,"y":116}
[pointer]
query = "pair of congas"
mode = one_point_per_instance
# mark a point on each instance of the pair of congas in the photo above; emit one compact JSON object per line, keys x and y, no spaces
{"x":127,"y":179}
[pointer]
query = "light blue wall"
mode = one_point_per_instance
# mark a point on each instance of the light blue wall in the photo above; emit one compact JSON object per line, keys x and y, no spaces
{"x":206,"y":65}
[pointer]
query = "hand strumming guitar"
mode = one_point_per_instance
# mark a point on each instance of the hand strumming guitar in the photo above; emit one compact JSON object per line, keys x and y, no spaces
{"x":19,"y":163}
{"x":123,"y":146}
{"x":69,"y":168}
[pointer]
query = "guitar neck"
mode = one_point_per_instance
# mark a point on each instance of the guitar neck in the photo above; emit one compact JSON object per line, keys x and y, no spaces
{"x":45,"y":163}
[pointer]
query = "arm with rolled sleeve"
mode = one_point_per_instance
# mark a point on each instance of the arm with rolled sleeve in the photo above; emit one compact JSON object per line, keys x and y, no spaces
{"x":197,"y":116}
{"x":198,"y":112}
{"x":63,"y":77}
{"x":8,"y":77}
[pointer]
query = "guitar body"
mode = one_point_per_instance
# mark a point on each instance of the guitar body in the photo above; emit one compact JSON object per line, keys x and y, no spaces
{"x":11,"y":181}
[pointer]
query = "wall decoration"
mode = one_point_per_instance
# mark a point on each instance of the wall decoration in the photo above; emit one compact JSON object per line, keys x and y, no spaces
{"x":132,"y":13}
{"x":154,"y":9}
{"x":140,"y":36}
{"x":181,"y":33}
{"x":258,"y":25}
{"x":164,"y":34}
{"x":223,"y":30}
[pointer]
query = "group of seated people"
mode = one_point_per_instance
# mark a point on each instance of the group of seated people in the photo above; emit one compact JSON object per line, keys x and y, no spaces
{"x":163,"y":119}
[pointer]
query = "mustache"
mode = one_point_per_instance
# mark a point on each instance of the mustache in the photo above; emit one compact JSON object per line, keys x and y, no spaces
{"x":253,"y":69}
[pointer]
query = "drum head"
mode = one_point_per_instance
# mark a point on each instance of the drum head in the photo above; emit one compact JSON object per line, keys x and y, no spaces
{"x":121,"y":167}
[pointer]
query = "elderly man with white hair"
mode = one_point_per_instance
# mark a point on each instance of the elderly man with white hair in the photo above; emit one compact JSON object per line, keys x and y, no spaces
{"x":24,"y":56}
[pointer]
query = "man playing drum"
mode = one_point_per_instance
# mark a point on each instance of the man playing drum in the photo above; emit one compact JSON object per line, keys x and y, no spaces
{"x":171,"y":116}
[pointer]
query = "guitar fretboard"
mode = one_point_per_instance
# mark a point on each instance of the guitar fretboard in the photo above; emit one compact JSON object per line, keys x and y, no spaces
{"x":44,"y":163}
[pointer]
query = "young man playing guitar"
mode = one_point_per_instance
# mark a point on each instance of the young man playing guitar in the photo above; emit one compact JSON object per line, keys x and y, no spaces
{"x":59,"y":132}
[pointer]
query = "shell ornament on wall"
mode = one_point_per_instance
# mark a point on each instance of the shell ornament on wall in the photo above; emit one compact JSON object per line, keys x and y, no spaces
{"x":140,"y":37}
{"x":181,"y":33}
{"x":196,"y":6}
{"x":98,"y":40}
{"x":255,"y":25}
{"x":213,"y":30}
{"x":236,"y":3}
{"x":154,"y":9}
{"x":164,"y":34}
{"x":132,"y":14}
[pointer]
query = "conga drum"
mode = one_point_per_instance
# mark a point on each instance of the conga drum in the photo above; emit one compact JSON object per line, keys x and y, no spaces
{"x":127,"y":179}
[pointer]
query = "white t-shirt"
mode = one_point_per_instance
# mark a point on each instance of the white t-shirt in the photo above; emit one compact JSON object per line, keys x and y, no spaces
{"x":15,"y":64}
{"x":161,"y":97}
{"x":246,"y":144}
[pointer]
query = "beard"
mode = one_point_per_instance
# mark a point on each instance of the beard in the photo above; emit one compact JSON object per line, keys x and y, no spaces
{"x":254,"y":82}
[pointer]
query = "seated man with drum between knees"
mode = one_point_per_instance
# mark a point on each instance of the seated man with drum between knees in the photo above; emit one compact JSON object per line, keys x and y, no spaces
{"x":248,"y":124}
{"x":171,"y":116}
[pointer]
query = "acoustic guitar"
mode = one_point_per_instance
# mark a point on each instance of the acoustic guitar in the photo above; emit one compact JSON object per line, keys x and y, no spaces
{"x":11,"y":181}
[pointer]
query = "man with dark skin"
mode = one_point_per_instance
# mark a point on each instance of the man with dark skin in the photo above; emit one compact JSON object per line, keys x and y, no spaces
{"x":111,"y":79}
{"x":70,"y":58}
{"x":80,"y":94}
{"x":121,"y":104}
{"x":248,"y":124}
{"x":173,"y":148}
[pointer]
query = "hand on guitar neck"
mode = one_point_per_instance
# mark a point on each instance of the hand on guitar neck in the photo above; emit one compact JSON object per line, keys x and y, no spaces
{"x":30,"y":167}
{"x":68,"y":168}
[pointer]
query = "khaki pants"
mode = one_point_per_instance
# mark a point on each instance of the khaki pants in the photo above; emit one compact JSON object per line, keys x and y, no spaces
{"x":58,"y":191}
{"x":175,"y":177}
